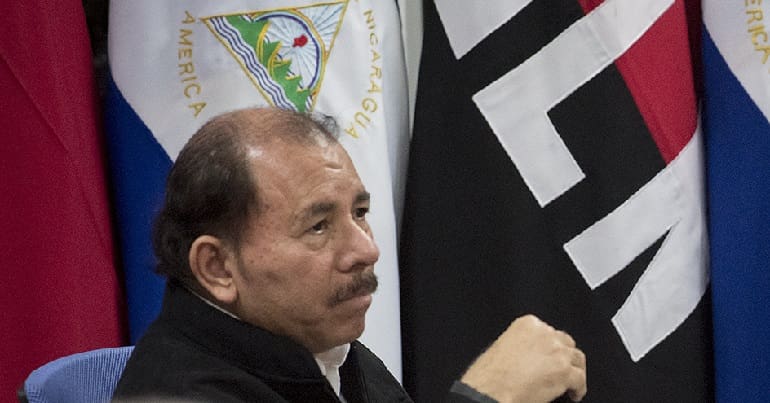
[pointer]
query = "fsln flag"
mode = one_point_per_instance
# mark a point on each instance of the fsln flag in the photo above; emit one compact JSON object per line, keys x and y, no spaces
{"x":60,"y":291}
{"x":176,"y":64}
{"x":556,"y":169}
{"x":736,"y":48}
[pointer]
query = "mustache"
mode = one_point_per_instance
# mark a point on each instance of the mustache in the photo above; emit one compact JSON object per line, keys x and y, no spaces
{"x":362,"y":284}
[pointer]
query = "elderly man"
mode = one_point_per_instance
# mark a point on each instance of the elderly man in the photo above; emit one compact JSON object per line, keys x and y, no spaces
{"x":270,"y":264}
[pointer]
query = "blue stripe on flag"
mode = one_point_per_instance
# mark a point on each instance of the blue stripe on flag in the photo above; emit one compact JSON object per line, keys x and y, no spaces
{"x":738,"y":152}
{"x":139,"y":167}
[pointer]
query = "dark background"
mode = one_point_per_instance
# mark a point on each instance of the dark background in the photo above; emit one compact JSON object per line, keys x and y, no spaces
{"x":97,"y":12}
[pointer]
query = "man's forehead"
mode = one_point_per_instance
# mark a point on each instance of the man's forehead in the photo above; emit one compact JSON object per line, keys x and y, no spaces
{"x":314,"y":142}
{"x":266,"y":125}
{"x":307,"y":173}
{"x":296,"y":165}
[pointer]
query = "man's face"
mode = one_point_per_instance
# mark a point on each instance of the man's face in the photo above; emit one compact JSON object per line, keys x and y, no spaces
{"x":306,"y":264}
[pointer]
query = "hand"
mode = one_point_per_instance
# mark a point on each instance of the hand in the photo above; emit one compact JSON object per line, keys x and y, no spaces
{"x":529,"y":362}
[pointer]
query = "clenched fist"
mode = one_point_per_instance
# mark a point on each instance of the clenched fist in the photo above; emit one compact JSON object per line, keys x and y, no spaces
{"x":530,"y":362}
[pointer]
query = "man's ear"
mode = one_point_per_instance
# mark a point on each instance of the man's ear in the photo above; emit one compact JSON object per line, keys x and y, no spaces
{"x":213,"y":263}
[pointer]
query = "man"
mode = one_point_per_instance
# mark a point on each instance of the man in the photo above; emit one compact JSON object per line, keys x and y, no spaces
{"x":270,"y":264}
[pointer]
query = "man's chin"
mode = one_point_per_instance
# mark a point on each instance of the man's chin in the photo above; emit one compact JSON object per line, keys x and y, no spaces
{"x":356,"y":315}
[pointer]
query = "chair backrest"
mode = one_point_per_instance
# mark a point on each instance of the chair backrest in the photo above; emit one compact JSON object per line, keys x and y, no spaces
{"x":84,"y":377}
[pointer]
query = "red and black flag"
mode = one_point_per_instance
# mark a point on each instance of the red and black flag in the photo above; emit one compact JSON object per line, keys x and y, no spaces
{"x":556,"y":169}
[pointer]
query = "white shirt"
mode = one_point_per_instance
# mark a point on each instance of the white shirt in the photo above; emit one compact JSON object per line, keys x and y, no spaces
{"x":330,"y":362}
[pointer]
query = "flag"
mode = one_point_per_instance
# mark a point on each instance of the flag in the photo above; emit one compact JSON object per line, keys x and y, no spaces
{"x":556,"y":169}
{"x":736,"y":109}
{"x":174,"y":65}
{"x":60,"y":291}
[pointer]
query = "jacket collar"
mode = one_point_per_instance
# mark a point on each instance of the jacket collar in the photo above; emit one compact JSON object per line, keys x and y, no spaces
{"x":258,"y":351}
{"x":287,"y":366}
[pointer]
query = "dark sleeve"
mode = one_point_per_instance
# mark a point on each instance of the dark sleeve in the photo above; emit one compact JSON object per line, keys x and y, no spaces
{"x":462,"y":393}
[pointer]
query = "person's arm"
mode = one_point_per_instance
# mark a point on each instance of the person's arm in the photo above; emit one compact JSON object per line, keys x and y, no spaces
{"x":462,"y":393}
{"x":529,"y":362}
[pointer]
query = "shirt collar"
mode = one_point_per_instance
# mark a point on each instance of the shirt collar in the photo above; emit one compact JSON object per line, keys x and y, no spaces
{"x":330,"y":362}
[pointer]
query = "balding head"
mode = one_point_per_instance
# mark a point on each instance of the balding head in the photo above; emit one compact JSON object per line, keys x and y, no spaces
{"x":211,"y":189}
{"x":255,"y":126}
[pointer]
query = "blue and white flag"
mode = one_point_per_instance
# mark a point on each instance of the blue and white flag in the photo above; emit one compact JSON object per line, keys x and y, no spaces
{"x":736,"y":49}
{"x":174,"y":65}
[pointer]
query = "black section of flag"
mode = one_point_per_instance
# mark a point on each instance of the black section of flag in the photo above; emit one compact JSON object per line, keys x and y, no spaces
{"x":477,"y":250}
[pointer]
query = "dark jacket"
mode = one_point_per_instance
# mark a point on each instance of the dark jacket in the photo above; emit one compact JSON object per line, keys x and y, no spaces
{"x":195,"y":352}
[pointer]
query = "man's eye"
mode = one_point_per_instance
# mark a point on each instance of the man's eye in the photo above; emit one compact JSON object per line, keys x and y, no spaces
{"x":360,"y":213}
{"x":320,"y":227}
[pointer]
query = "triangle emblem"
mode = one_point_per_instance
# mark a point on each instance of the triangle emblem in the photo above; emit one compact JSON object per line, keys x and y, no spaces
{"x":284,"y":51}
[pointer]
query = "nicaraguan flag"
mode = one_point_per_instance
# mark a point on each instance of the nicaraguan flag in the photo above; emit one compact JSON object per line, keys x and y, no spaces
{"x":174,"y":65}
{"x":736,"y":49}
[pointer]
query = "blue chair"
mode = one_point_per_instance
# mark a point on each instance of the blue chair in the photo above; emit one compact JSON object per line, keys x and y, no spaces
{"x":84,"y":377}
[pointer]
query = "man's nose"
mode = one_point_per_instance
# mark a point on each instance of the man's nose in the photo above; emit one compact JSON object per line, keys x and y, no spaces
{"x":360,"y":249}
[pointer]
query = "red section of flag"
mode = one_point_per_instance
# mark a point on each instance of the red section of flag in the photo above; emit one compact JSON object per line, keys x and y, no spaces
{"x":662,"y":86}
{"x":58,"y":285}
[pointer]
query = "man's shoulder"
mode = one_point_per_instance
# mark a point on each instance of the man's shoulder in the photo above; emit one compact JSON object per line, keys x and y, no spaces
{"x":168,"y":366}
{"x":379,"y":382}
{"x":369,"y":362}
{"x":161,"y":365}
